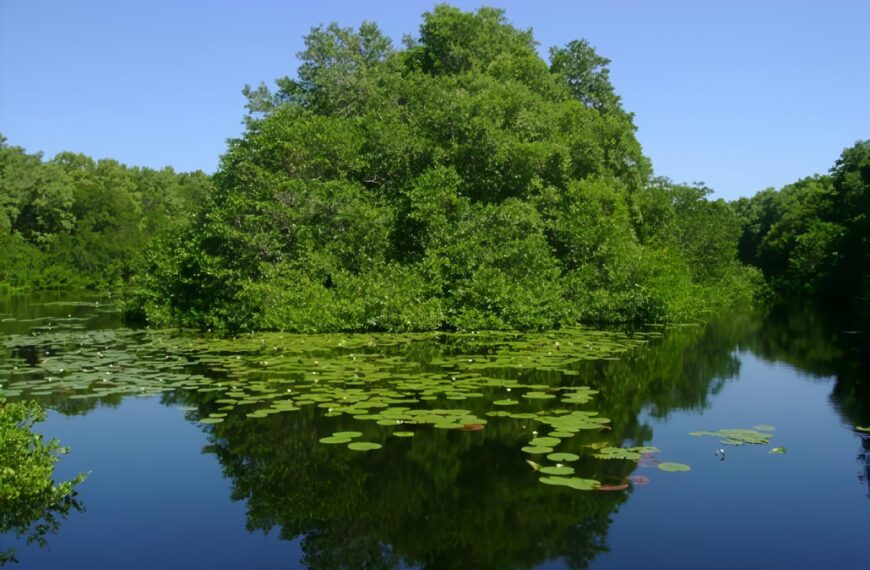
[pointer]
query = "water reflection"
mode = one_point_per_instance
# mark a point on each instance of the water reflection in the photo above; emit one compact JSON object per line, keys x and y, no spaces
{"x":448,"y":498}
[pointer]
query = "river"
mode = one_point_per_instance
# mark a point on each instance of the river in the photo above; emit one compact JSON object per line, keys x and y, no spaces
{"x":580,"y":448}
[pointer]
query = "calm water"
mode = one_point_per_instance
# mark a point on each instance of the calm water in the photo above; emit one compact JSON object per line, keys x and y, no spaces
{"x":205,"y":452}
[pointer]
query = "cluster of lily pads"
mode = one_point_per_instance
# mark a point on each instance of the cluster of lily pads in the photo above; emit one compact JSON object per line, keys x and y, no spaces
{"x":406,"y":382}
{"x":759,"y":435}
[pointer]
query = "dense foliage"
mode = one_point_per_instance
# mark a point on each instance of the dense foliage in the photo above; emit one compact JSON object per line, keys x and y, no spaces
{"x":457,"y":182}
{"x":812,"y":238}
{"x":75,"y":222}
{"x":31,"y":503}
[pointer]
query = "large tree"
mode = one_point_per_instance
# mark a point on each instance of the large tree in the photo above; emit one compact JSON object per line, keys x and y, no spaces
{"x":460,"y":181}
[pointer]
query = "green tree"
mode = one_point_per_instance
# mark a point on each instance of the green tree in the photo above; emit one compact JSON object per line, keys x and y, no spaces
{"x":457,"y":182}
{"x":812,"y":238}
{"x":32,"y":504}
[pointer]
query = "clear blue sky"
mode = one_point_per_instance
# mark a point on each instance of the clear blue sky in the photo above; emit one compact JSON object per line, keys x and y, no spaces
{"x":739,"y":94}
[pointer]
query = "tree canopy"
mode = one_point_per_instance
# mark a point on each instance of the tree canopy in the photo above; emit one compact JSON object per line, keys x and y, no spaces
{"x":812,"y":238}
{"x":459,"y":181}
{"x":75,"y":222}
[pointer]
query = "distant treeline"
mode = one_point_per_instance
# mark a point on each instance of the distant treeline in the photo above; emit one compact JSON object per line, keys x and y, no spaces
{"x":72,"y":222}
{"x":458,"y":182}
{"x":811,"y":239}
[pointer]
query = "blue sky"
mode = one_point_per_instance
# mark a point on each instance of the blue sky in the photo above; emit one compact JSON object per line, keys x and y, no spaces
{"x":739,"y":94}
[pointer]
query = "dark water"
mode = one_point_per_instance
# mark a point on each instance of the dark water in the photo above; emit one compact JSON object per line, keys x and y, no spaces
{"x":256,"y":488}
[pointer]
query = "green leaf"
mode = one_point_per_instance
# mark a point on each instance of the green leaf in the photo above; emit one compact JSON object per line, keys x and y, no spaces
{"x":559,"y":457}
{"x":572,"y":482}
{"x":537,"y":449}
{"x":350,"y":434}
{"x":674,"y":467}
{"x":364,"y":446}
{"x":334,"y":439}
{"x":558,"y":470}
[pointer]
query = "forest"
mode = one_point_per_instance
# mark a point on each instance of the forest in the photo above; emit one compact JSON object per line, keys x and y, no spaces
{"x":72,"y":222}
{"x":457,"y":182}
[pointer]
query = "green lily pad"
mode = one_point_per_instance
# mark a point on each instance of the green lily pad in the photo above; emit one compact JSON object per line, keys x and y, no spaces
{"x":737,"y":436}
{"x":334,"y":439}
{"x":537,"y":449}
{"x":557,"y":470}
{"x":561,"y":434}
{"x":628,"y":453}
{"x":778,"y":451}
{"x":861,"y":428}
{"x":364,"y":446}
{"x":538,"y":396}
{"x":211,"y":420}
{"x":559,"y":457}
{"x":572,"y":482}
{"x":674,"y":467}
{"x":350,"y":434}
{"x":505,"y":403}
{"x":403,"y":433}
{"x":545,"y":441}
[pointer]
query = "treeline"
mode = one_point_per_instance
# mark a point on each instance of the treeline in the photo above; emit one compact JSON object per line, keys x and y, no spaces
{"x":460,"y":181}
{"x":73,"y":222}
{"x":811,"y":239}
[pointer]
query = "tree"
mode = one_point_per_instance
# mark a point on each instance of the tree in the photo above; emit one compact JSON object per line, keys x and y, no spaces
{"x":457,"y":182}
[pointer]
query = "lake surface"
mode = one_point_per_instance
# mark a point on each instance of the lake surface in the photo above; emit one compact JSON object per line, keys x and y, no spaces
{"x":436,"y":450}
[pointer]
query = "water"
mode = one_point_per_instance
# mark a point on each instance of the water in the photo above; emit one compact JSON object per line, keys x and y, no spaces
{"x":257,"y":489}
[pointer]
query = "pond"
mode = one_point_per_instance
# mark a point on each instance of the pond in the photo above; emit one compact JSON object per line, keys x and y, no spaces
{"x":732,"y":445}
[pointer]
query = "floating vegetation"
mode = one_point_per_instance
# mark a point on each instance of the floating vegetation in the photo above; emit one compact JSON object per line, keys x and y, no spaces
{"x":537,"y":450}
{"x":567,"y":457}
{"x":764,"y":427}
{"x":778,"y":451}
{"x":629,"y":453}
{"x":864,"y":429}
{"x":557,"y":470}
{"x":674,"y":467}
{"x":737,"y":436}
{"x":615,"y":487}
{"x":572,"y":482}
{"x":334,"y":439}
{"x":397,"y":385}
{"x":364,"y":446}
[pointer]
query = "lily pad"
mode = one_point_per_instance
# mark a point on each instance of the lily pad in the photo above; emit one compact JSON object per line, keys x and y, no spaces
{"x":639,"y":480}
{"x":572,"y":482}
{"x":334,"y":439}
{"x":557,"y":470}
{"x":778,"y":451}
{"x":559,"y":457}
{"x":364,"y":446}
{"x":403,"y":433}
{"x":538,"y":396}
{"x":628,"y":453}
{"x":674,"y":467}
{"x":738,"y":436}
{"x":545,"y":441}
{"x":537,"y":449}
{"x":616,"y":487}
{"x":350,"y":434}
